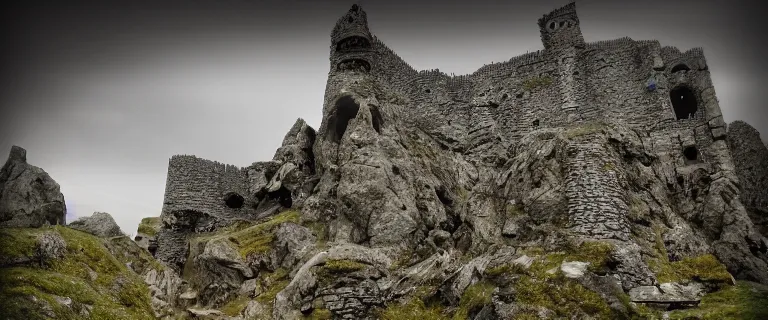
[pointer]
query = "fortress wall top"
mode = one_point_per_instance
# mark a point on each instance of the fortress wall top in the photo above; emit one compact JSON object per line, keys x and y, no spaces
{"x":203,"y":185}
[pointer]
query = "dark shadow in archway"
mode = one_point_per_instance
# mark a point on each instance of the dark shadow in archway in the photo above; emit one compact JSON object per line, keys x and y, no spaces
{"x":345,"y":109}
{"x":376,"y":119}
{"x":680,"y":67}
{"x":684,"y":102}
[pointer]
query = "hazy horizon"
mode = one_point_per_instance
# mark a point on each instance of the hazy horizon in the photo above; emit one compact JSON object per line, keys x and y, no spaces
{"x":102,"y":96}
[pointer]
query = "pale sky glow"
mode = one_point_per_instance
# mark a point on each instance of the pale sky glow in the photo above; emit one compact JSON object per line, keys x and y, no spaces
{"x":101,"y":99}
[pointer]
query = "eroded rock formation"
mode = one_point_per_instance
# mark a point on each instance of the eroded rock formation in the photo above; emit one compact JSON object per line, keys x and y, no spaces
{"x":28,"y":195}
{"x":583,"y":181}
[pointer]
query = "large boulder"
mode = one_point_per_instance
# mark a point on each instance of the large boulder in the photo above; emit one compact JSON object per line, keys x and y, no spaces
{"x":100,"y":224}
{"x":29,"y":198}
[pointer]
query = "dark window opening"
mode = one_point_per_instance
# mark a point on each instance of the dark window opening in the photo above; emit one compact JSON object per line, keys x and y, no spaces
{"x":551,"y":25}
{"x":442,"y":194}
{"x":519,"y":95}
{"x":396,"y":170}
{"x":376,"y":119}
{"x":680,"y":67}
{"x":504,"y":97}
{"x":152,"y":247}
{"x":350,"y":19}
{"x":575,"y":73}
{"x":234,"y":201}
{"x":684,"y":102}
{"x":691,"y":154}
{"x":562,"y":23}
{"x":428,"y":91}
{"x":346,"y":109}
{"x":354,"y":65}
{"x":536,"y":123}
{"x":353,"y":43}
{"x":283,"y":197}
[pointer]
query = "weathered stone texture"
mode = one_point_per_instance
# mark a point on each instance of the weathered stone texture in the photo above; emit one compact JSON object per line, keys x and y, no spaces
{"x":620,"y":142}
{"x":100,"y":224}
{"x":29,"y":198}
{"x":750,"y":158}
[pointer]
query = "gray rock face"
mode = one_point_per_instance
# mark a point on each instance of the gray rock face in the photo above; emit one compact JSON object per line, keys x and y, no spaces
{"x":668,"y":293}
{"x":220,"y":272}
{"x":29,"y":198}
{"x":165,"y":290}
{"x":574,"y":269}
{"x":100,"y":224}
{"x":48,"y":246}
{"x":750,"y":157}
{"x":453,"y":176}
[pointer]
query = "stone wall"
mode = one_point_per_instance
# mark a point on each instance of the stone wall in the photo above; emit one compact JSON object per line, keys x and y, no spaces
{"x":204,"y":186}
{"x":480,"y":114}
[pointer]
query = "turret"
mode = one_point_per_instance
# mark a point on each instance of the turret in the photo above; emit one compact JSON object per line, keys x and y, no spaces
{"x":560,"y":29}
{"x":351,"y":31}
{"x":351,"y":41}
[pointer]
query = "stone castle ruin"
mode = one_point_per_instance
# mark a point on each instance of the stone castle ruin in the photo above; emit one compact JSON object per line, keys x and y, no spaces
{"x":620,"y":140}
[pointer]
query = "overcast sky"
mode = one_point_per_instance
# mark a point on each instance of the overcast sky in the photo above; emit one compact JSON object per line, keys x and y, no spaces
{"x":102,"y":96}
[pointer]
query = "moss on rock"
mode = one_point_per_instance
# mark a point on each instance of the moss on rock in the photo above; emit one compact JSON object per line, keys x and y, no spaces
{"x":565,"y":297}
{"x":98,"y":284}
{"x":414,"y":309}
{"x":149,"y":226}
{"x":473,"y":299}
{"x":745,"y":300}
{"x":258,"y":238}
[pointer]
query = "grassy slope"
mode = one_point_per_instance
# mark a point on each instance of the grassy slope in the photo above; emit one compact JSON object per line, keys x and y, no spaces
{"x":88,"y":274}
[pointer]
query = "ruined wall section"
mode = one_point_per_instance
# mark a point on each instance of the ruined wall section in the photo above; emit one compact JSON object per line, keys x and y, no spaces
{"x":202,"y":185}
{"x":595,"y":189}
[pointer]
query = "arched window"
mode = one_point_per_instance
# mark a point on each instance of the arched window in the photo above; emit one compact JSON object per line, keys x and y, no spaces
{"x":684,"y":102}
{"x":345,"y":109}
{"x":234,"y":200}
{"x":680,"y":67}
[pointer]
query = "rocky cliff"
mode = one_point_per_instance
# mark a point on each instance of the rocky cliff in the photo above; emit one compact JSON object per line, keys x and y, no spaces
{"x":427,"y":204}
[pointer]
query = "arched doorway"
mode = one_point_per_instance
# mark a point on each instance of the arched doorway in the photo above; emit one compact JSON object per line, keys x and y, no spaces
{"x":684,"y":102}
{"x":345,"y":109}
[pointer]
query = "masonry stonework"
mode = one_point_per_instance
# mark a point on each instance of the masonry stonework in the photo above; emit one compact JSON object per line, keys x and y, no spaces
{"x":663,"y":96}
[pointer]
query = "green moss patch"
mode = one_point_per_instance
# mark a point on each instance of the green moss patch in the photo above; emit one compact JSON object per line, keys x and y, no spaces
{"x":329,"y":271}
{"x":18,"y":243}
{"x":533,"y":83}
{"x":234,"y":307}
{"x":127,"y":251}
{"x":585,"y":129}
{"x":473,"y":299}
{"x":273,"y":283}
{"x":258,"y":238}
{"x":745,"y":300}
{"x":564,"y":296}
{"x":597,"y":253}
{"x":149,"y":226}
{"x":414,"y":309}
{"x":511,"y":268}
{"x":704,"y":268}
{"x":88,"y":274}
{"x":319,"y":314}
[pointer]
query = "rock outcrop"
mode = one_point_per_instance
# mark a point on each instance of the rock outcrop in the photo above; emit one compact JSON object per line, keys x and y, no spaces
{"x":510,"y":193}
{"x":28,"y":195}
{"x":750,"y":157}
{"x":100,"y":224}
